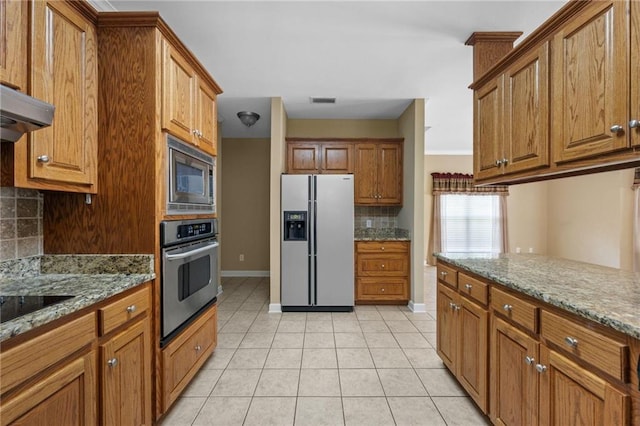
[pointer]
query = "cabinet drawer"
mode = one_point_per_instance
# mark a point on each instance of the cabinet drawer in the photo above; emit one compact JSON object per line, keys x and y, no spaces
{"x":517,"y":310}
{"x":382,"y":247}
{"x":473,"y":288}
{"x":26,"y":360}
{"x":382,"y":289}
{"x":590,"y":346}
{"x":122,"y":310}
{"x":183,"y":357}
{"x":447,"y":275}
{"x":383,"y":265}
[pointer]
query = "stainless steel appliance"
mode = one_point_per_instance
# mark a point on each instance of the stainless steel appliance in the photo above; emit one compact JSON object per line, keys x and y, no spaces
{"x":190,"y":180}
{"x":189,"y":272}
{"x":20,"y":113}
{"x":317,"y":243}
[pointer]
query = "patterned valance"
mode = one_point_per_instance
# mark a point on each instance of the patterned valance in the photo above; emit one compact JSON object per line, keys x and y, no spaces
{"x":636,"y":179}
{"x":461,"y":183}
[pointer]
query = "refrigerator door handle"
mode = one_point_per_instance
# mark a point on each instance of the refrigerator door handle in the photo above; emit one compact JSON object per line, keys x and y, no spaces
{"x":310,"y":267}
{"x":315,"y":240}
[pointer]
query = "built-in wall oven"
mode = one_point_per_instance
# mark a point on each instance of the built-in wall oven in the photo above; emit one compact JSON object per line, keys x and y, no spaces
{"x":189,"y":272}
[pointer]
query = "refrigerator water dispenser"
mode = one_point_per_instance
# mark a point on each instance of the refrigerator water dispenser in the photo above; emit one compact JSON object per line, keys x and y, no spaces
{"x":295,"y":226}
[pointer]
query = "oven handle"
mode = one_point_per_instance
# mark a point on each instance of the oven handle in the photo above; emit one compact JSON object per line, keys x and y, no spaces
{"x":190,"y":253}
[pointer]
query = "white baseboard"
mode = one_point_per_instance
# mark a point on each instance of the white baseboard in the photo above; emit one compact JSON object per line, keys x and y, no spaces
{"x":244,"y":273}
{"x":417,"y":308}
{"x":275,"y":308}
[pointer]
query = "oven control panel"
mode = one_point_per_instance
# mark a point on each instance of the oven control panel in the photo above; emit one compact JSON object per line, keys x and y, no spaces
{"x":186,"y":231}
{"x":181,"y":231}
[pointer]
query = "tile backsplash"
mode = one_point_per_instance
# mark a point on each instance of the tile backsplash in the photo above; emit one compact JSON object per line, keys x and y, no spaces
{"x":20,"y":223}
{"x":380,"y":217}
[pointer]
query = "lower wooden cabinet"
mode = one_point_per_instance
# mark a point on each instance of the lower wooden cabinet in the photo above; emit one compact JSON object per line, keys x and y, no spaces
{"x":382,"y":272}
{"x":183,"y":357}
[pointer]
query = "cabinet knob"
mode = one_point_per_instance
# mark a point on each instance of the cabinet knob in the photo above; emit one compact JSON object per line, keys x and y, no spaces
{"x":616,"y":128}
{"x":198,"y":348}
{"x":634,"y":124}
{"x":131,"y":309}
{"x":498,"y":163}
{"x":571,"y":341}
{"x":507,"y":307}
{"x":505,"y":161}
{"x":529,"y":360}
{"x":382,"y":290}
{"x":452,"y":305}
{"x":443,"y":274}
{"x":468,"y":286}
{"x":383,"y":266}
{"x":541,"y":368}
{"x":43,"y":159}
{"x":112,"y":362}
{"x":382,"y":248}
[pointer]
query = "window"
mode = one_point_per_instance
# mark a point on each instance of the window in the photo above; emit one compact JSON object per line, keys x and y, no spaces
{"x":471,"y":223}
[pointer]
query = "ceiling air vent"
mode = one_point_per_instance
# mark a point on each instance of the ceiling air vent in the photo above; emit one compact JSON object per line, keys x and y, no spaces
{"x":323,"y":100}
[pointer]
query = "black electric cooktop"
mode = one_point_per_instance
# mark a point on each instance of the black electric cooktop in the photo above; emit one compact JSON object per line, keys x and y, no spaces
{"x":12,"y":307}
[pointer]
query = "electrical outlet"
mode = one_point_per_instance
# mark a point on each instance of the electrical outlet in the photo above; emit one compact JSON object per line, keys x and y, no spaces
{"x":530,"y":249}
{"x":518,"y":250}
{"x":368,"y":223}
{"x":242,"y":258}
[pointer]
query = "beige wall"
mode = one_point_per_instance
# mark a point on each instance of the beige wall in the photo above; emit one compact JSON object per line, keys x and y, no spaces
{"x":278,"y":163}
{"x":245,"y":204}
{"x":342,"y":128}
{"x":411,"y":125}
{"x":590,"y":218}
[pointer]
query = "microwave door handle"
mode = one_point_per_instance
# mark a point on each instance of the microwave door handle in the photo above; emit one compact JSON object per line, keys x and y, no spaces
{"x":191,"y":252}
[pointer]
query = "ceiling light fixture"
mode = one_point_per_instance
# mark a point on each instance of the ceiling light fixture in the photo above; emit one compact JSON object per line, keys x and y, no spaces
{"x":248,"y":118}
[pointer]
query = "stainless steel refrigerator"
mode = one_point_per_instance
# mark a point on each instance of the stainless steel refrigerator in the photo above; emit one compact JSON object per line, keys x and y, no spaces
{"x":317,"y":268}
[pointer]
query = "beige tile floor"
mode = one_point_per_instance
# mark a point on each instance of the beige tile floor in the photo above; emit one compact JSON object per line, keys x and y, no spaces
{"x":374,"y":366}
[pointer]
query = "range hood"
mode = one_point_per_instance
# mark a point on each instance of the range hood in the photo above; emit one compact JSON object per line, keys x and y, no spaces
{"x":20,"y":113}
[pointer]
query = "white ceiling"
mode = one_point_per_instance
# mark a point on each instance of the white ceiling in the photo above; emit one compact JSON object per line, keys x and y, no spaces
{"x":374,"y":57}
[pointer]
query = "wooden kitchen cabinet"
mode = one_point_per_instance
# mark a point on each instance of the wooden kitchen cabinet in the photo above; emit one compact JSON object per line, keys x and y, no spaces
{"x":188,"y":103}
{"x":378,"y":173}
{"x":13,"y":43}
{"x":382,"y":272}
{"x":304,"y":157}
{"x":634,"y":80}
{"x":511,"y":118}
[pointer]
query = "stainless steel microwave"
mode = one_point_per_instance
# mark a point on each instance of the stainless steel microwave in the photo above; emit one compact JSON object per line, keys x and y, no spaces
{"x":190,"y":180}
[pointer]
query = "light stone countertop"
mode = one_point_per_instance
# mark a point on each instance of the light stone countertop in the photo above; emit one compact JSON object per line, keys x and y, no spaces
{"x":90,"y":279}
{"x":605,"y":295}
{"x":381,"y":234}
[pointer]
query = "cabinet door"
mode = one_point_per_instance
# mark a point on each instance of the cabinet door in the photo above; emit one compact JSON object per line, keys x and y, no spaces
{"x":64,"y":73}
{"x":389,"y":174}
{"x":447,"y":331}
{"x":572,"y":395}
{"x":526,"y":112}
{"x":66,"y":397}
{"x":383,"y":264}
{"x":488,"y":130}
{"x":473,"y":350}
{"x":366,"y":174}
{"x":303,"y":158}
{"x":514,"y":382}
{"x":126,"y":376}
{"x":591,"y":76}
{"x":635,"y":72}
{"x":337,"y":158}
{"x":13,"y":43}
{"x":178,"y":95}
{"x":207,"y":119}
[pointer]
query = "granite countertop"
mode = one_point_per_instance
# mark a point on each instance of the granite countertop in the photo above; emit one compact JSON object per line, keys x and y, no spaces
{"x":608,"y":296}
{"x":89,"y":278}
{"x":381,"y":234}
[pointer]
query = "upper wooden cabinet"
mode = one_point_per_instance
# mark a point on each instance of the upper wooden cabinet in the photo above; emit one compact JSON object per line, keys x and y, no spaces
{"x":378,"y":173}
{"x":188,"y":102}
{"x":307,"y":157}
{"x":565,"y":101}
{"x":13,"y":43}
{"x":591,"y":82}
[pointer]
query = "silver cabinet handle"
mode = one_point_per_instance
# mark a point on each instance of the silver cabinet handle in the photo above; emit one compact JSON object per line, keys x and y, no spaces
{"x":131,"y":309}
{"x":443,"y":274}
{"x":498,"y":163}
{"x":529,"y":360}
{"x":382,"y":290}
{"x":198,"y":348}
{"x":452,"y":305}
{"x":634,"y":124}
{"x":112,"y":362}
{"x":383,"y":266}
{"x":571,"y":341}
{"x":616,"y":128}
{"x":382,"y":248}
{"x":507,"y":307}
{"x":541,"y":368}
{"x":468,"y":286}
{"x":457,"y":307}
{"x":43,"y":159}
{"x":505,"y":161}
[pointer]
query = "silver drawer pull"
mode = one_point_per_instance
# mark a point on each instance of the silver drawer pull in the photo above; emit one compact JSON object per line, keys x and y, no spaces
{"x":382,"y":290}
{"x":382,"y":248}
{"x":131,"y":309}
{"x":468,"y":286}
{"x":112,"y":362}
{"x":43,"y":159}
{"x":383,"y":266}
{"x":198,"y":348}
{"x":507,"y":307}
{"x":443,"y":274}
{"x":571,"y":341}
{"x":452,"y":305}
{"x":541,"y":368}
{"x":529,"y":360}
{"x":616,"y":128}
